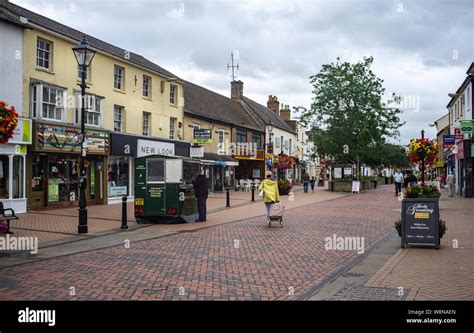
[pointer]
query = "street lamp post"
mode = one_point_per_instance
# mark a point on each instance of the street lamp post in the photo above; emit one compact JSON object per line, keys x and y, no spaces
{"x":422,"y":158}
{"x":84,"y":54}
{"x":270,"y":134}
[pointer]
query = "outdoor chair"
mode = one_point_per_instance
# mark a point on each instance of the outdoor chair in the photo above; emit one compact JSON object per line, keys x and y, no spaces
{"x":7,"y":214}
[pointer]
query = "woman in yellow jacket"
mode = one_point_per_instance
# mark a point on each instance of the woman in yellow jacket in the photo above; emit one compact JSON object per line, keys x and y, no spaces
{"x":270,"y":192}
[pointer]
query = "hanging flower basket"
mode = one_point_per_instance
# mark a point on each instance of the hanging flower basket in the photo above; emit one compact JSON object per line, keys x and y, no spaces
{"x":282,"y":162}
{"x":423,"y":149}
{"x":8,"y":122}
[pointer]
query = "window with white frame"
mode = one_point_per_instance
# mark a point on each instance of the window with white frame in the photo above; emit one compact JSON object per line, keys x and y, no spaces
{"x":173,"y":127}
{"x":146,"y":86}
{"x":43,"y":53}
{"x":173,"y":94}
{"x":93,"y":110}
{"x":146,"y":123}
{"x":221,"y":136}
{"x":118,"y":118}
{"x":118,"y":77}
{"x":48,"y":102}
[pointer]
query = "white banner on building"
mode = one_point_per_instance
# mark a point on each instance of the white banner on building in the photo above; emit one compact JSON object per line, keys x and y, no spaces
{"x":196,"y":152}
{"x":146,"y":148}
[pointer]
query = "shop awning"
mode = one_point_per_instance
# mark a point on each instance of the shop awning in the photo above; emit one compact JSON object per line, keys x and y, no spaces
{"x":216,"y":159}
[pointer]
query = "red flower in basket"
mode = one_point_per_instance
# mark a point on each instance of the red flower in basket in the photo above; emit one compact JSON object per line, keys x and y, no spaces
{"x":8,"y":121}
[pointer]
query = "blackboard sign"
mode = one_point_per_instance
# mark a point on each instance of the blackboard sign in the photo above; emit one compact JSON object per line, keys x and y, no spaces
{"x":420,"y":221}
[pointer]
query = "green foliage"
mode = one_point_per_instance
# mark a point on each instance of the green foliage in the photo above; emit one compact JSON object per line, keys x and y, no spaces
{"x":386,"y":155}
{"x":347,"y":105}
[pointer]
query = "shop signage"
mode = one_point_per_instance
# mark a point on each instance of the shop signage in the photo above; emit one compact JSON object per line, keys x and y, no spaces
{"x":338,"y":172}
{"x":66,"y":139}
{"x":12,"y":149}
{"x":53,"y":190}
{"x":115,"y":191}
{"x":458,"y":134}
{"x":466,"y":126}
{"x":196,"y":152}
{"x":202,"y":135}
{"x":22,"y":132}
{"x":448,"y":141}
{"x":420,"y":221}
{"x":460,"y":152}
{"x":438,"y":164}
{"x":347,"y":172}
{"x":146,"y":148}
{"x":355,"y":186}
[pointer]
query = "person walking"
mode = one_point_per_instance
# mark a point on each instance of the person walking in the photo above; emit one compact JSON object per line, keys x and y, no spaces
{"x":312,"y":182}
{"x":450,"y":181}
{"x":373,"y":179}
{"x":305,"y":182}
{"x":398,"y":179}
{"x":270,"y":193}
{"x":201,"y":192}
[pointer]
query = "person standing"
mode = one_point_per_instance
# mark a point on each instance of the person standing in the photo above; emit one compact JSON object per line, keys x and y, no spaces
{"x":305,"y":182}
{"x":450,"y":181}
{"x":373,"y":178}
{"x":398,"y":179}
{"x":201,"y":192}
{"x":271,"y":194}
{"x":312,"y":182}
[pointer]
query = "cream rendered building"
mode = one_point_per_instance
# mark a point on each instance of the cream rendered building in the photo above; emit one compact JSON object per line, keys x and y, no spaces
{"x":126,"y":94}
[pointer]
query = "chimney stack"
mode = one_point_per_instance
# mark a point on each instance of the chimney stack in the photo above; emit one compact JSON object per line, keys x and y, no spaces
{"x":285,"y":112}
{"x":273,"y":103}
{"x":236,"y":90}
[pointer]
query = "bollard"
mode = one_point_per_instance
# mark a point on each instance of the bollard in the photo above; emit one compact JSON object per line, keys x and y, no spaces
{"x":227,"y":196}
{"x":124,"y":213}
{"x":253,"y":192}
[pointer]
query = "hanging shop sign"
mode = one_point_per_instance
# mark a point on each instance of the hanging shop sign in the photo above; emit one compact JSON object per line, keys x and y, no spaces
{"x":458,"y":134}
{"x":466,"y":126}
{"x":448,"y":141}
{"x":22,"y":132}
{"x":202,"y":135}
{"x":52,"y":138}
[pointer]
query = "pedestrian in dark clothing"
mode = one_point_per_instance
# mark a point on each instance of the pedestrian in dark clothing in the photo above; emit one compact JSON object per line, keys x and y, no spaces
{"x":312,"y":182}
{"x":305,"y":182}
{"x":410,"y":180}
{"x":201,"y":192}
{"x":373,"y":179}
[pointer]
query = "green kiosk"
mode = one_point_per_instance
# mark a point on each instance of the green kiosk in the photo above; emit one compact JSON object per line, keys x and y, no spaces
{"x":163,"y":184}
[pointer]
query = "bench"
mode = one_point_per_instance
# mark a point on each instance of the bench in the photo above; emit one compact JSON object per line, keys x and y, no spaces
{"x":7,"y":214}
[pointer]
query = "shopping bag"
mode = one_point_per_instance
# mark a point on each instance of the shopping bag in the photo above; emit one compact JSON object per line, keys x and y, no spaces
{"x":260,"y":194}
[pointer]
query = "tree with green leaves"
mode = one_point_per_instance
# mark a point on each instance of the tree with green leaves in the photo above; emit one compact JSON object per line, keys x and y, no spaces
{"x":348,"y":107}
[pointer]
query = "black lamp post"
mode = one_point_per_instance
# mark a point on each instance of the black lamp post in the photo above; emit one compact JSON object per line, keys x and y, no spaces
{"x":422,"y":158}
{"x":84,"y":54}
{"x":270,"y":134}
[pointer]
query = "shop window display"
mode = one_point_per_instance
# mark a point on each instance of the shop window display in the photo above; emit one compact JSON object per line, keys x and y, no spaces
{"x":118,"y":176}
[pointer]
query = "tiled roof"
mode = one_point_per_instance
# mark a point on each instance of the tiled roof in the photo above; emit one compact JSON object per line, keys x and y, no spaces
{"x":203,"y":102}
{"x":78,"y":35}
{"x":266,"y":115}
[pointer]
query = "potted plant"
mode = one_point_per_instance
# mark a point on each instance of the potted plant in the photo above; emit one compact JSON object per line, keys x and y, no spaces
{"x":284,"y":186}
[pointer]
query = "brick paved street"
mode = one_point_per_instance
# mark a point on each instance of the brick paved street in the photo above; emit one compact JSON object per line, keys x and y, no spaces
{"x":243,"y":260}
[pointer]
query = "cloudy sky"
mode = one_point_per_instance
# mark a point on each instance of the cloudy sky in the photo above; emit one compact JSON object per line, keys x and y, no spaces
{"x":422,"y":48}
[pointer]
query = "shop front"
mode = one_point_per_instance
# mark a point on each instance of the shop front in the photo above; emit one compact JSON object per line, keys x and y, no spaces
{"x":53,"y":166}
{"x":13,"y":166}
{"x":124,"y":148}
{"x":219,"y":171}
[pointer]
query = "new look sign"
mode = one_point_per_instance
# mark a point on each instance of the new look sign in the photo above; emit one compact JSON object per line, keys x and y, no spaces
{"x":146,"y":148}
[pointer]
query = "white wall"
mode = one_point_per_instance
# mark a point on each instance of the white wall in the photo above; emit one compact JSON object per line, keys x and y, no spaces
{"x":11,"y":68}
{"x":277,"y":133}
